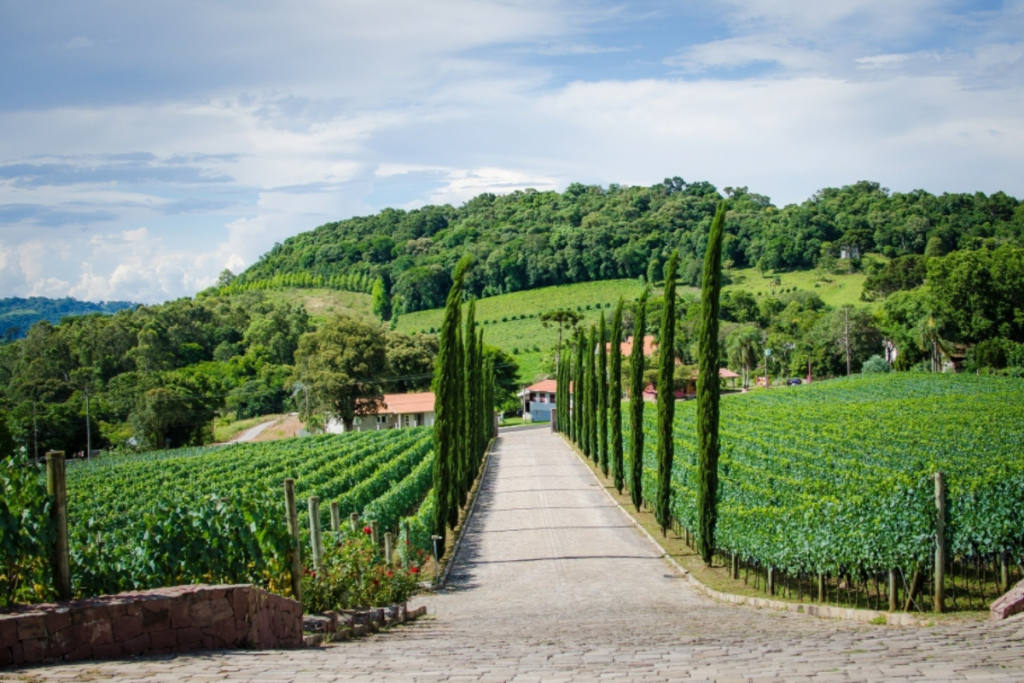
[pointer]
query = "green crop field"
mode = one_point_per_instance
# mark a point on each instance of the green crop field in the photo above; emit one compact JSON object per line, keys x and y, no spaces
{"x":217,"y":514}
{"x":839,"y":476}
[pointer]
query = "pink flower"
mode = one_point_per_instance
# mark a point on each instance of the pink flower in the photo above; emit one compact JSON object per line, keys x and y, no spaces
{"x":414,"y":570}
{"x":367,"y":530}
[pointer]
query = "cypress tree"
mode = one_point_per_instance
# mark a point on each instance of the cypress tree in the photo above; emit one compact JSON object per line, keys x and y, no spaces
{"x":708,"y":389}
{"x":636,"y":402}
{"x":486,"y":410}
{"x":471,"y":386}
{"x":446,"y":400}
{"x":615,"y":397}
{"x":577,"y":398}
{"x":602,"y":396}
{"x":457,"y":494}
{"x":592,"y":394}
{"x":666,"y":395}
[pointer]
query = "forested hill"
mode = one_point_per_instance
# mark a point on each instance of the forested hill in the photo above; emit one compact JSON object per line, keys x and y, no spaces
{"x":531,"y":239}
{"x":18,"y":315}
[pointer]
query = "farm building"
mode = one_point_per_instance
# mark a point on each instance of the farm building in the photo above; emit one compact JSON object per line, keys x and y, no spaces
{"x":538,"y":400}
{"x":399,"y":411}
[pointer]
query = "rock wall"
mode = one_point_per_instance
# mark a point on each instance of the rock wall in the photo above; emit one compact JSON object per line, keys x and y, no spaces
{"x":178,"y":619}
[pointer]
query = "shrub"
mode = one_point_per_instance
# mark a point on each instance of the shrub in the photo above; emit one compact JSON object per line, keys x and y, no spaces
{"x":353,"y":574}
{"x":874,"y":364}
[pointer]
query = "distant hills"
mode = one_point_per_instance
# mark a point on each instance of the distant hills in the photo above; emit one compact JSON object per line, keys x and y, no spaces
{"x":17,"y":315}
{"x":529,"y":239}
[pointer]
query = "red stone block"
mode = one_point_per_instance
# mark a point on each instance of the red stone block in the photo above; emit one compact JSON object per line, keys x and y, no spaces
{"x":240,"y":602}
{"x":99,"y":632}
{"x":127,"y":628}
{"x":163,"y":639}
{"x":216,"y":593}
{"x":1009,"y":604}
{"x":179,"y":615}
{"x":17,"y":654}
{"x":107,"y":651}
{"x":202,"y":613}
{"x":133,"y":609}
{"x":159,"y":620}
{"x":220,"y":610}
{"x":34,"y":649}
{"x":31,"y":626}
{"x":83,"y":651}
{"x":57,"y":621}
{"x":187,"y":636}
{"x":6,"y":657}
{"x":8,"y":630}
{"x":136,"y":646}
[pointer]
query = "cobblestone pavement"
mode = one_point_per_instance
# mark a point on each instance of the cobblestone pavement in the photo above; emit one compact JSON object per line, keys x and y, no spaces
{"x":553,"y":583}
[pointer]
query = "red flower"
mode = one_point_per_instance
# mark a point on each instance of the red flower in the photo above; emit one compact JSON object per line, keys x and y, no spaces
{"x":376,"y":582}
{"x":414,"y":570}
{"x":367,"y":530}
{"x":389,"y":572}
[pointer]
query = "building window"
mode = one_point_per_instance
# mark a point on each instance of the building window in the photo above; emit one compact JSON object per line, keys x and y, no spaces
{"x":382,"y":419}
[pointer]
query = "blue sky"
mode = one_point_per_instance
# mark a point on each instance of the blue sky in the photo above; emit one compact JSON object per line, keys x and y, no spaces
{"x":144,"y":147}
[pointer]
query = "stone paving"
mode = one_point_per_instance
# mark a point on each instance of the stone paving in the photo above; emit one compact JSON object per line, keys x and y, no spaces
{"x":553,"y":583}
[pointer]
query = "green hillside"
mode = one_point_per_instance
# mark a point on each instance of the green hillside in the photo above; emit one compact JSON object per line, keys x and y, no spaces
{"x":17,"y":315}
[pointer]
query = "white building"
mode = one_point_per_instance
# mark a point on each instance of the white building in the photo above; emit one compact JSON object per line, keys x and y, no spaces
{"x":399,"y":411}
{"x":538,"y":400}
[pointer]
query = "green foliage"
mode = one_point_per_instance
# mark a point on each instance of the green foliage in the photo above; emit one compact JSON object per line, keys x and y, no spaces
{"x":875,"y":364}
{"x":838,"y":476}
{"x":214,"y":514}
{"x":978,"y":293}
{"x":615,"y":398}
{"x":636,"y":401}
{"x":901,"y":273}
{"x":18,"y":315}
{"x":602,"y":396}
{"x":26,"y":532}
{"x":354,"y":574}
{"x":708,"y":391}
{"x":591,"y":395}
{"x":666,"y":392}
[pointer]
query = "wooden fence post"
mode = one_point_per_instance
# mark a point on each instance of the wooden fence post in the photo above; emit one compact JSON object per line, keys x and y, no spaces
{"x":388,"y":549}
{"x":315,"y":536}
{"x":57,"y":487}
{"x":940,"y":542}
{"x":293,"y":529}
{"x":771,"y":580}
{"x":735,"y":566}
{"x":893,"y":592}
{"x":821,"y":587}
{"x":408,"y":543}
{"x":335,"y":517}
{"x":373,"y":533}
{"x":353,"y":521}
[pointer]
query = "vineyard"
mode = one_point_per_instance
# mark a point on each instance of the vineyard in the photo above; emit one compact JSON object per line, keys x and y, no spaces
{"x":837,"y":479}
{"x":217,"y":514}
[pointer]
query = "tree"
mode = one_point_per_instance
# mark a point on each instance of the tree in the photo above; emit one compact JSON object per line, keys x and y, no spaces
{"x":708,"y":390}
{"x":471,"y":387}
{"x":381,"y":299}
{"x":615,"y":398}
{"x":744,"y":349}
{"x":591,"y":395}
{"x":902,"y":273}
{"x":602,"y":396}
{"x":636,"y":401}
{"x":343,"y":363}
{"x":578,"y":401}
{"x":446,"y":402}
{"x":564,"y":319}
{"x":666,"y":395}
{"x":457,"y":494}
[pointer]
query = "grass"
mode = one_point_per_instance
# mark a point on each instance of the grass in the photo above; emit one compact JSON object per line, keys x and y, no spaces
{"x":525,"y":336}
{"x":227,"y":430}
{"x":322,"y":304}
{"x":839,"y":289}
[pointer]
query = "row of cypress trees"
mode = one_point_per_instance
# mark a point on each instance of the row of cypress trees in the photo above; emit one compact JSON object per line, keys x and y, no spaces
{"x":463,"y":406}
{"x":595,"y":372}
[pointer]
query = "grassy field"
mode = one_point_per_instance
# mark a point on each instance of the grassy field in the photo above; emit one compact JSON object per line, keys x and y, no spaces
{"x":512,"y":321}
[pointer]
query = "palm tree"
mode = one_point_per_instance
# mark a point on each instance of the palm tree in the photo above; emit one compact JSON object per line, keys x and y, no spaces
{"x":928,"y":334}
{"x":744,"y":349}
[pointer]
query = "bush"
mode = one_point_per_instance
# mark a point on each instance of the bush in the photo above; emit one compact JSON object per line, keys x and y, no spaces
{"x":353,"y":574}
{"x":26,"y":533}
{"x":874,"y":364}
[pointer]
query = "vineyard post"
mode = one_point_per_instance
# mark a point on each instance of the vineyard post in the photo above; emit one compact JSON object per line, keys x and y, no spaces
{"x":735,"y":567}
{"x":771,"y":580}
{"x":315,"y":538}
{"x":335,"y":517}
{"x":388,"y":557}
{"x":373,"y":533}
{"x":353,"y":521}
{"x":940,"y":542}
{"x":408,"y":542}
{"x":893,"y":595}
{"x":293,"y":529}
{"x":821,"y":587}
{"x":1004,"y":572}
{"x":56,"y":487}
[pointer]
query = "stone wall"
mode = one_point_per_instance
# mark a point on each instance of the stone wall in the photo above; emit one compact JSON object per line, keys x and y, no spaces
{"x":178,"y":619}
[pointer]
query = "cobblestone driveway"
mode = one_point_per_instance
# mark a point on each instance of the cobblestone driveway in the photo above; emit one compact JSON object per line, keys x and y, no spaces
{"x":553,"y":583}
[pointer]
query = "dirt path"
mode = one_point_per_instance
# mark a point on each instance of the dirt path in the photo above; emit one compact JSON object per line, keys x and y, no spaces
{"x":554,"y":583}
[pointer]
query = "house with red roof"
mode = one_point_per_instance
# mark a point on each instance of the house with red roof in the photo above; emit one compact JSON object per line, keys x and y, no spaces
{"x":398,"y":411}
{"x":538,"y":400}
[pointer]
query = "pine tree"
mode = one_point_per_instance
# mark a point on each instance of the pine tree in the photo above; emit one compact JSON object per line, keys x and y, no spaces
{"x":708,"y":389}
{"x":636,"y":402}
{"x":615,"y":397}
{"x":602,"y":395}
{"x":446,"y":401}
{"x":666,"y":395}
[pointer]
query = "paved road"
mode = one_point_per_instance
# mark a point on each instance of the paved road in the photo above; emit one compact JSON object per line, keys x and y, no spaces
{"x":251,"y":433}
{"x":555,"y":584}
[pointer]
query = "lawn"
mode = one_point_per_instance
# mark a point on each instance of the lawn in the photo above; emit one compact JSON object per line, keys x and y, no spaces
{"x":835,"y":290}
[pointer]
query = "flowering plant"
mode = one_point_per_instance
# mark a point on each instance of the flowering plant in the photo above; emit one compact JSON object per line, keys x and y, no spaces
{"x":354,"y":574}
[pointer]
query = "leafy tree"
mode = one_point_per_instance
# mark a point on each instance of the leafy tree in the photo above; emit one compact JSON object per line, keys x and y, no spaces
{"x":875,"y":364}
{"x":744,"y":349}
{"x":666,"y":395}
{"x":636,"y":401}
{"x":381,"y":298}
{"x":343,"y":363}
{"x":615,"y":398}
{"x":901,"y":273}
{"x":579,"y":393}
{"x":708,"y":392}
{"x":563,"y":320}
{"x":411,"y":361}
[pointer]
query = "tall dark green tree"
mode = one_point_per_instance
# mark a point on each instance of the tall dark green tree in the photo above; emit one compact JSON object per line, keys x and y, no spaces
{"x":602,"y":395}
{"x":471,"y":387}
{"x":457,"y":494}
{"x":592,"y":394}
{"x":708,"y":386}
{"x":636,"y":402}
{"x":615,"y":397}
{"x":447,"y":404}
{"x":577,"y":397}
{"x":666,"y":395}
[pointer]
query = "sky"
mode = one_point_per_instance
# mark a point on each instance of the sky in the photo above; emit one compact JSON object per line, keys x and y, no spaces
{"x":145,"y":147}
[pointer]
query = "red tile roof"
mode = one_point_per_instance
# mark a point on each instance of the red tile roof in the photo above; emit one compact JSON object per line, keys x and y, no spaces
{"x":548,"y":385}
{"x":404,"y":404}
